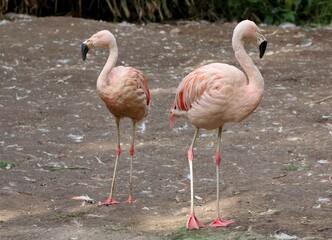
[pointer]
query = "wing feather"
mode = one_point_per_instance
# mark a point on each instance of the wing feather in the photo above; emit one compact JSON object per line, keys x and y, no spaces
{"x":126,"y":93}
{"x":207,"y":92}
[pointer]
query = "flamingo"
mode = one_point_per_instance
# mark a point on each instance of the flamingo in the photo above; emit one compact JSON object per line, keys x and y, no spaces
{"x":125,"y":93}
{"x":218,"y":93}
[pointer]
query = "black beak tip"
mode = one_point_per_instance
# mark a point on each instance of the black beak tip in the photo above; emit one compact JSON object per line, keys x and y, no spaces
{"x":262,"y":48}
{"x":84,"y":50}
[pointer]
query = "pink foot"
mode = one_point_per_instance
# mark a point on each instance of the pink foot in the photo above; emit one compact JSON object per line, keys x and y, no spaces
{"x":193,"y":222}
{"x":129,"y":200}
{"x":220,"y":223}
{"x":108,"y":202}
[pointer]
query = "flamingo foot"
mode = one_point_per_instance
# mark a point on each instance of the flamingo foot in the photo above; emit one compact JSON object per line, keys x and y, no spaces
{"x":109,"y":201}
{"x":129,"y":200}
{"x":220,"y":223}
{"x":193,"y":222}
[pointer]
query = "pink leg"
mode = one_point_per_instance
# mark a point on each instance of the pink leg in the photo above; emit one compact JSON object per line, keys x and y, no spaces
{"x":192,"y":222}
{"x":217,"y":221}
{"x":132,"y":150}
{"x":110,"y":199}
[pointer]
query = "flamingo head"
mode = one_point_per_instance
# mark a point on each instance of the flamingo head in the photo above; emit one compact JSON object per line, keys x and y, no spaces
{"x":100,"y":39}
{"x":261,"y":41}
{"x":248,"y":30}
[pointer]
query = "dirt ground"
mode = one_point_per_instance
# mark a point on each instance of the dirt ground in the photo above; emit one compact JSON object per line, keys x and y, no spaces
{"x":59,"y":138}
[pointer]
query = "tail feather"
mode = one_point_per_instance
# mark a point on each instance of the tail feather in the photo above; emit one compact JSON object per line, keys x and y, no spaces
{"x":174,"y":113}
{"x":171,"y":119}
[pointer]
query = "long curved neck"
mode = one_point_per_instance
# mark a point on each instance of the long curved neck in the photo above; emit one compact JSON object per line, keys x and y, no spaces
{"x":255,"y":79}
{"x":109,"y":65}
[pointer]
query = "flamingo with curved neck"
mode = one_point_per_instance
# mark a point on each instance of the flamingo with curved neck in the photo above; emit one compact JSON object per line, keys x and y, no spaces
{"x":217,"y":93}
{"x":125,"y":93}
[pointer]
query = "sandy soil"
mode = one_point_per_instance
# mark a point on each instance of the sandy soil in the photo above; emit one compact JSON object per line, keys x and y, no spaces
{"x":60,"y":139}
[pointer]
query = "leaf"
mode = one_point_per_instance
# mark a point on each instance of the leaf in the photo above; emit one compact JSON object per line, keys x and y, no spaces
{"x":7,"y":165}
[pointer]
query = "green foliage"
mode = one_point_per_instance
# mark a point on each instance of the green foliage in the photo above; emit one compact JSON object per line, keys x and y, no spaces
{"x":290,"y":167}
{"x":7,"y":165}
{"x":294,"y":167}
{"x":183,"y":234}
{"x":267,"y":11}
{"x":219,"y":234}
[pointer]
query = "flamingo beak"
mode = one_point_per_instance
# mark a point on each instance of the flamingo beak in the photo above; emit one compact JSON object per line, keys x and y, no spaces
{"x":262,"y":48}
{"x":84,"y":50}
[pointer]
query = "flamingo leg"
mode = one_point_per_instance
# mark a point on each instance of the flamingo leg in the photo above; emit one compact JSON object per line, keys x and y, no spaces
{"x":132,"y":150}
{"x":192,"y":222}
{"x":110,"y":199}
{"x":217,"y":221}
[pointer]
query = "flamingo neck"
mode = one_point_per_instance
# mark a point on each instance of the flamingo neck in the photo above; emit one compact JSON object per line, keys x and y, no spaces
{"x":109,"y":65}
{"x":254,"y":77}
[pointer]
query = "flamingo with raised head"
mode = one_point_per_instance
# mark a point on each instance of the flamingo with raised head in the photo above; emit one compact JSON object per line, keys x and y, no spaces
{"x":125,"y":93}
{"x":218,"y":93}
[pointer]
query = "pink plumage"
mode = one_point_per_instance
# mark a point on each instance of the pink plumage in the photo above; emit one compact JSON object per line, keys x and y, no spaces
{"x":218,"y":93}
{"x":125,"y":93}
{"x":213,"y":95}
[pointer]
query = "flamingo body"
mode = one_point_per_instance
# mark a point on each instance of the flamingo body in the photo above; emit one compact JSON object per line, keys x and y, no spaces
{"x":213,"y":95}
{"x":125,"y":93}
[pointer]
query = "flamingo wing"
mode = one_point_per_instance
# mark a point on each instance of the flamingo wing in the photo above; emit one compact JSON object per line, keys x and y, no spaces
{"x":127,"y":93}
{"x":206,"y":93}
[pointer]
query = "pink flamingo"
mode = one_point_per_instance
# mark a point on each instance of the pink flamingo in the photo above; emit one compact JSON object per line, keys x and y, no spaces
{"x":125,"y":93}
{"x":218,"y":93}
